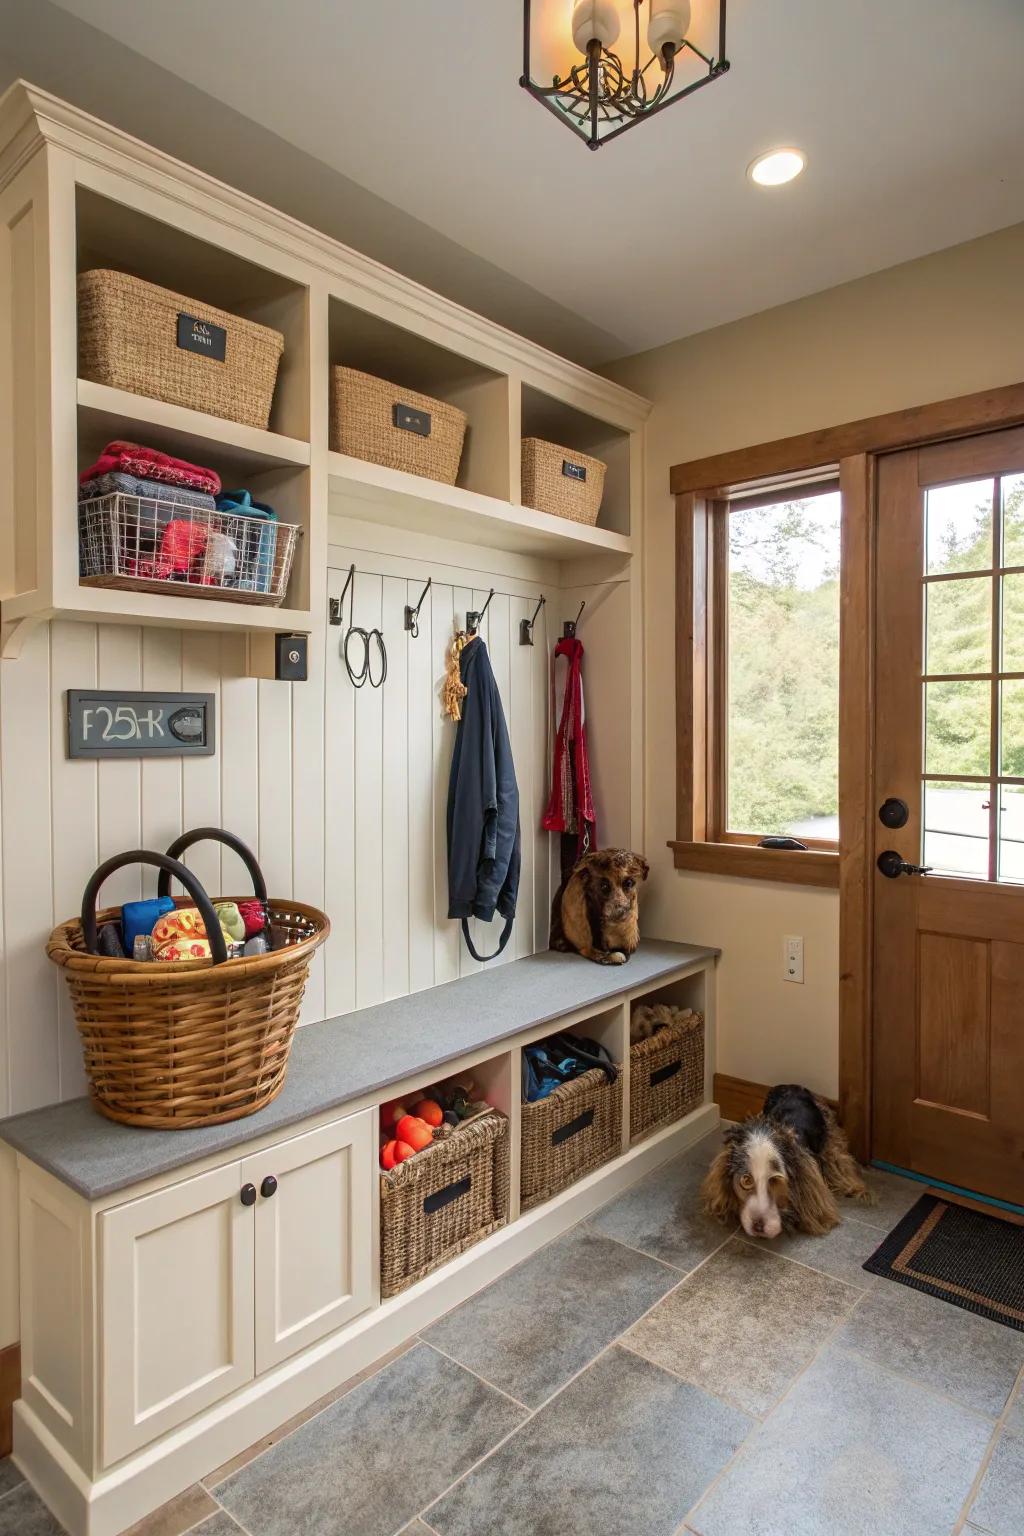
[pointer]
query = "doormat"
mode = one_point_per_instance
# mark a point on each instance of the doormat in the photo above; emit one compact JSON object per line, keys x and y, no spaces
{"x":960,"y":1255}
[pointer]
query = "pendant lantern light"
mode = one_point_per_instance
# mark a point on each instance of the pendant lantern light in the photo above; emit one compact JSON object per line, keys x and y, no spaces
{"x":602,"y":92}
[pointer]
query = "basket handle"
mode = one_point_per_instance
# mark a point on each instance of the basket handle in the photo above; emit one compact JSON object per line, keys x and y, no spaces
{"x":202,"y":834}
{"x":167,"y":867}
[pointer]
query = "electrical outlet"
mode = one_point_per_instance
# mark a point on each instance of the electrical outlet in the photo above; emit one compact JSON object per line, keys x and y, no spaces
{"x":793,"y":958}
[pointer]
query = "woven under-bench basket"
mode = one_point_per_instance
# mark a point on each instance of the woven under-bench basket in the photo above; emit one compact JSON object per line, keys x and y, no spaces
{"x":128,"y":338}
{"x":666,"y":1074}
{"x":561,"y":481}
{"x":442,"y":1201}
{"x":386,"y":424}
{"x":196,"y":1042}
{"x":576,"y":1128}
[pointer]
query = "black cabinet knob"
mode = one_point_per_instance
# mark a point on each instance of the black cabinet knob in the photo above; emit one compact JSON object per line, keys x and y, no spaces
{"x":248,"y":1195}
{"x":268,"y":1187}
{"x":894,"y":813}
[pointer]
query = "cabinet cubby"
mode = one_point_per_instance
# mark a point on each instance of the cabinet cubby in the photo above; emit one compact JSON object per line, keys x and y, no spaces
{"x":557,"y":422}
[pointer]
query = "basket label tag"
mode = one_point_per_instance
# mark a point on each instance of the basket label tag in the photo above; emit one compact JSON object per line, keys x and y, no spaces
{"x":566,"y":1132}
{"x":111,"y":723}
{"x":202,"y":336}
{"x":443,"y":1197}
{"x":409,"y":420}
{"x":574,"y":471}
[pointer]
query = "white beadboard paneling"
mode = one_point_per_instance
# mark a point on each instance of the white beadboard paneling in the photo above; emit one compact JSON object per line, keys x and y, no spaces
{"x":119,"y":796}
{"x":449,"y":606}
{"x":30,"y":977}
{"x":369,"y":895}
{"x":339,"y":818}
{"x":522,"y":662}
{"x":200,"y":776}
{"x":74,"y":785}
{"x":422,"y":704}
{"x":395,"y":764}
{"x":308,"y":805}
{"x":162,"y":812}
{"x":275,"y":786}
{"x":545,"y":845}
{"x":239,"y":758}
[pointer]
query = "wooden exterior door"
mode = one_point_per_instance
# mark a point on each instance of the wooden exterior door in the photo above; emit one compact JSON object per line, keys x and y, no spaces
{"x":948,"y":1042}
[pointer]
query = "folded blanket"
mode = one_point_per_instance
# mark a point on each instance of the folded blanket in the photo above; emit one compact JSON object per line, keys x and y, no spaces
{"x":150,"y":464}
{"x":116,"y":483}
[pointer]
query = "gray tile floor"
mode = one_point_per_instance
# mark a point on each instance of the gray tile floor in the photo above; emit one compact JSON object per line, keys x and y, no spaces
{"x":651,"y":1374}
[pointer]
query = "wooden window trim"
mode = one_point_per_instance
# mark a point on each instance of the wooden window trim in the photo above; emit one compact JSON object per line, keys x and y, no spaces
{"x":703,"y":843}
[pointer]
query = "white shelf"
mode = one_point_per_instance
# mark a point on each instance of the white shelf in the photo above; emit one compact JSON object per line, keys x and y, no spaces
{"x":233,"y":448}
{"x":400,"y":500}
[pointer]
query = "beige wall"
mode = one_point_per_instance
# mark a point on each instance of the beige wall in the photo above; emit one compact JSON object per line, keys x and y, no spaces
{"x":942,"y":326}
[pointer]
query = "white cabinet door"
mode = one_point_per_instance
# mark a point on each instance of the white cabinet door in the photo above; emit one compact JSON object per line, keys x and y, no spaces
{"x":314,"y":1239}
{"x":177,"y":1306}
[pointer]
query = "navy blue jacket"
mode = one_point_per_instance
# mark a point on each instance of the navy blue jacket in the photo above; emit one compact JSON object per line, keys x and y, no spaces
{"x":484,"y":852}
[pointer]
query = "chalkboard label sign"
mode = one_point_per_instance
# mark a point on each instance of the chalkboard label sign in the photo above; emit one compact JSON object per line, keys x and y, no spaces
{"x":202,"y":336}
{"x":107,"y":723}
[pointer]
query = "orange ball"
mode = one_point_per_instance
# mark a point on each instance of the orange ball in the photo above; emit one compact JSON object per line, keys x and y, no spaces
{"x":430,"y":1111}
{"x":403,"y":1150}
{"x":414,"y":1131}
{"x":391,"y":1113}
{"x":387,"y":1154}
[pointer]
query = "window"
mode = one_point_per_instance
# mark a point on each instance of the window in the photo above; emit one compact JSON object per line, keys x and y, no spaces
{"x":777,"y":671}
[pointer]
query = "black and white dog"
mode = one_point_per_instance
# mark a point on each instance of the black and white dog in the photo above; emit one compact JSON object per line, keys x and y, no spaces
{"x":781,"y":1170}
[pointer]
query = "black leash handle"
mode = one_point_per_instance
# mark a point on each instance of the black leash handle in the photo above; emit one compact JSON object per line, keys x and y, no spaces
{"x":168,"y":867}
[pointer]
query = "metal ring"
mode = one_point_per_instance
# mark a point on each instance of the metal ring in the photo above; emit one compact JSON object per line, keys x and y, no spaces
{"x":357,"y":678}
{"x":378,"y":682}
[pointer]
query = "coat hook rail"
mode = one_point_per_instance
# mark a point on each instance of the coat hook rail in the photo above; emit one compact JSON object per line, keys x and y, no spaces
{"x":473,"y":618}
{"x":526,"y":625}
{"x":412,"y":615}
{"x":569,"y":627}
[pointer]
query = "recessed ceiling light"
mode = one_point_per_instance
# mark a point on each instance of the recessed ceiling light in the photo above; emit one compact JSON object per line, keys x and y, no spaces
{"x":776,"y":167}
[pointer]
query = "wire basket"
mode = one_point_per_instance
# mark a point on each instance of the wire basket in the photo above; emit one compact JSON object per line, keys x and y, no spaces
{"x":148,"y":544}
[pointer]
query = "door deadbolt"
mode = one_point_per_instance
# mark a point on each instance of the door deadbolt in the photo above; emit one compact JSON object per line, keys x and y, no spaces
{"x":894,"y":813}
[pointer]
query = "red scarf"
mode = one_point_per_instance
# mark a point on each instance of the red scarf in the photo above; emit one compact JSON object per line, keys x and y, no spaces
{"x":571,"y":806}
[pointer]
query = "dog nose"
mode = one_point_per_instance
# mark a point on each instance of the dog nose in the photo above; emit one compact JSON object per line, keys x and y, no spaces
{"x":759,"y":1227}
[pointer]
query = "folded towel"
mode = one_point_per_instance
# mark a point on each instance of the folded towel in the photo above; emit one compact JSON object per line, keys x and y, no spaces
{"x":256,"y":565}
{"x":116,"y":483}
{"x":140,"y":918}
{"x":151,"y":464}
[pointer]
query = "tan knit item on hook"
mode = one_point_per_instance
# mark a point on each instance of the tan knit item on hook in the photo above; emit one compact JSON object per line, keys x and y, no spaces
{"x":455,"y":690}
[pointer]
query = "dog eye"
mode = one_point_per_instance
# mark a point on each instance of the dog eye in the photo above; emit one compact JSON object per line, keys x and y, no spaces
{"x":746,"y":1182}
{"x":627,"y":885}
{"x":606,"y":886}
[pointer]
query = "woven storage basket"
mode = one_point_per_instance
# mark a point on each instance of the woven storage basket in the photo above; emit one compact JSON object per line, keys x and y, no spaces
{"x":442,"y":1201}
{"x":128,"y":338}
{"x":561,"y":481}
{"x":666,"y":1074}
{"x":372,"y":419}
{"x":195,"y":1042}
{"x":576,"y":1128}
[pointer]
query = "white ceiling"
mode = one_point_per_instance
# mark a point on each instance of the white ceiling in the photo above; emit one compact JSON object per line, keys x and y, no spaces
{"x":911,"y":113}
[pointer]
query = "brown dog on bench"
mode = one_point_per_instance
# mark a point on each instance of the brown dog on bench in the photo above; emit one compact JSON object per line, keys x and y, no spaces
{"x":595,"y":911}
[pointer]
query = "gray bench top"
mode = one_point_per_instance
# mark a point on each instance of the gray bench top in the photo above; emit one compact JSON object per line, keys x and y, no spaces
{"x":339,"y":1060}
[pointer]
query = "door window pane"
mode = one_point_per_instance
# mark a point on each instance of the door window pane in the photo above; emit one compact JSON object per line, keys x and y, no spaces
{"x":782,"y":701}
{"x":958,"y":524}
{"x":957,"y":728}
{"x":956,"y":828}
{"x":1013,"y":623}
{"x":1011,"y":731}
{"x":1011,"y":833}
{"x":959,"y":625}
{"x":1013,"y":519}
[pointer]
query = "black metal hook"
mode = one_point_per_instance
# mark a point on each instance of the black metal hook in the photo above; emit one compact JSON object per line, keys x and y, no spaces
{"x":526,"y":625}
{"x":569,"y":627}
{"x":412,"y":615}
{"x":336,"y":606}
{"x":473,"y":618}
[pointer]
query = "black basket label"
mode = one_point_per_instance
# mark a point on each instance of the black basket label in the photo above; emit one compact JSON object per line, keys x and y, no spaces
{"x":409,"y":420}
{"x":573,"y":1128}
{"x":663,"y":1074}
{"x":573,"y":471}
{"x":442,"y":1197}
{"x":202,"y":336}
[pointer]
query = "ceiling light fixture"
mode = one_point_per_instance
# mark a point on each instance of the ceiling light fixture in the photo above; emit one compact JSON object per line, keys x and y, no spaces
{"x":777,"y":167}
{"x":600,"y":96}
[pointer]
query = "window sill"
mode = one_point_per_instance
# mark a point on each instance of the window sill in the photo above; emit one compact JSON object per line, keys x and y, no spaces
{"x":787,"y":866}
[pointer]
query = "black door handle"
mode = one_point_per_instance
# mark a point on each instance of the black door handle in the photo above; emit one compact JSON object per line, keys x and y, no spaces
{"x":248,"y":1194}
{"x":894,"y":813}
{"x":268,"y":1187}
{"x":893,"y":865}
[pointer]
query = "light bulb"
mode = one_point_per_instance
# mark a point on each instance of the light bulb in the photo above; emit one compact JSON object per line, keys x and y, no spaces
{"x":669,"y":24}
{"x":594,"y":21}
{"x":777,"y":167}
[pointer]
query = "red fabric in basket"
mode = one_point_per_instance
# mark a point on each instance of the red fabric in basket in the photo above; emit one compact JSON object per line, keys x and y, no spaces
{"x":150,"y":464}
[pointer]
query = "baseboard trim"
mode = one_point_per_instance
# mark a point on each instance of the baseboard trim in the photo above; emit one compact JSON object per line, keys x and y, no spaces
{"x":738,"y":1098}
{"x":10,"y":1391}
{"x":140,"y":1484}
